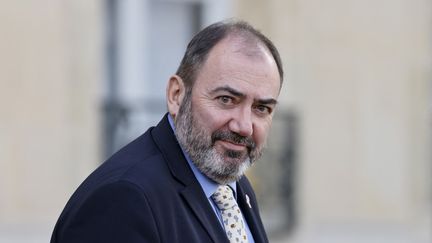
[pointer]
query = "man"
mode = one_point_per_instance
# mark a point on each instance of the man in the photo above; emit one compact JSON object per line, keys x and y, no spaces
{"x":183,"y":180}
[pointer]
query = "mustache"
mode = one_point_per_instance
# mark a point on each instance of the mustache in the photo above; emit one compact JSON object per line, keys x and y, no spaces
{"x":233,"y":138}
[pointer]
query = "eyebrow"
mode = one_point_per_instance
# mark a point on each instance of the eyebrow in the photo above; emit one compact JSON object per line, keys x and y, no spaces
{"x":269,"y":101}
{"x":232,"y":91}
{"x":229,"y":90}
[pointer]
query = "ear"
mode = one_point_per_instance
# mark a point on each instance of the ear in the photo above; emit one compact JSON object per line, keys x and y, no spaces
{"x":175,"y":93}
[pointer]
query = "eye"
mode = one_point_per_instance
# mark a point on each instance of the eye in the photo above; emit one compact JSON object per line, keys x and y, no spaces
{"x":263,"y":109}
{"x":226,"y":100}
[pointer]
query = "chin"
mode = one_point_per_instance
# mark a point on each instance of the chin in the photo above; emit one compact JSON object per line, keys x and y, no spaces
{"x":238,"y":162}
{"x":231,"y":170}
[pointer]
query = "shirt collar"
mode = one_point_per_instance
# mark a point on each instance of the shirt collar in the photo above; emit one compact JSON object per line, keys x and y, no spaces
{"x":209,"y":186}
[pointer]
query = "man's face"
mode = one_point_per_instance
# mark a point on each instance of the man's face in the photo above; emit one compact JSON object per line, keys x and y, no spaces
{"x":224,"y":119}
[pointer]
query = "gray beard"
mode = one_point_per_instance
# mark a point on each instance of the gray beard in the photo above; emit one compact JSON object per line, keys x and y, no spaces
{"x":199,"y":144}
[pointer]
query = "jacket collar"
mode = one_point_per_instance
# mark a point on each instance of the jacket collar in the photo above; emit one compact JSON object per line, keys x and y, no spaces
{"x":247,"y":202}
{"x":166,"y":141}
{"x":192,"y":193}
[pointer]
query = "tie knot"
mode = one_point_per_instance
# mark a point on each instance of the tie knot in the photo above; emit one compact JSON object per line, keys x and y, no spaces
{"x":224,"y":198}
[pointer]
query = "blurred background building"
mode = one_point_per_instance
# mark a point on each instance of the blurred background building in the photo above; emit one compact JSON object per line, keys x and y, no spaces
{"x":349,"y":157}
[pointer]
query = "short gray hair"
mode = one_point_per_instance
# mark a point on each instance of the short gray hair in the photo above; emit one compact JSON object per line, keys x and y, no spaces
{"x":201,"y":44}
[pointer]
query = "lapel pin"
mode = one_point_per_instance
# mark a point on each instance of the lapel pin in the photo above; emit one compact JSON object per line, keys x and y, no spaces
{"x":248,"y":201}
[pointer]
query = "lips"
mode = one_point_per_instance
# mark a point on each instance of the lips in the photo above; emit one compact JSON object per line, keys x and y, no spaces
{"x":232,"y":145}
{"x":232,"y":140}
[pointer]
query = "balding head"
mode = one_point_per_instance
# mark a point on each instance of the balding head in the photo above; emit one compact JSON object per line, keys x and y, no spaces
{"x":249,"y":41}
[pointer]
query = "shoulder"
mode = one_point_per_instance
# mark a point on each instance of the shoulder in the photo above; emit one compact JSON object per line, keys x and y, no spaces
{"x":113,"y":212}
{"x":137,"y":165}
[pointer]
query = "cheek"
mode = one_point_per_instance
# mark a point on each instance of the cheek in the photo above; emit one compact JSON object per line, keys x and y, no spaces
{"x":210,"y":118}
{"x":260,"y":134}
{"x":204,"y":123}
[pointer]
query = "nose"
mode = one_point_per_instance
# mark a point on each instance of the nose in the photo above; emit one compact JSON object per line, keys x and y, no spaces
{"x":241,"y":122}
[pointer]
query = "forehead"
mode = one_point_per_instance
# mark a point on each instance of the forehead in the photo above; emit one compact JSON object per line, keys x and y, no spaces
{"x":246,"y":65}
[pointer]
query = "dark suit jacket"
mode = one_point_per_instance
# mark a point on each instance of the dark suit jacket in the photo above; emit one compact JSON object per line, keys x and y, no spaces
{"x":147,"y":192}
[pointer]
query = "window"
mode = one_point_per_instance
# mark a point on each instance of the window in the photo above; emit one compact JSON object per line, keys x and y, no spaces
{"x":145,"y":43}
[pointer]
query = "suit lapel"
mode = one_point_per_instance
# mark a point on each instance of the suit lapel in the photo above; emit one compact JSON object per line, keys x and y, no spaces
{"x":200,"y":206}
{"x":192,"y":191}
{"x":247,"y":203}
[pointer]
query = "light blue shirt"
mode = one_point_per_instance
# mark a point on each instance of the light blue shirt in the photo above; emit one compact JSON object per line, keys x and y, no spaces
{"x":209,"y":187}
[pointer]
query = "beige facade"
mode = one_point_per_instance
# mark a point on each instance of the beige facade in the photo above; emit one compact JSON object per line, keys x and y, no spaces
{"x":49,"y":83}
{"x":358,"y":73}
